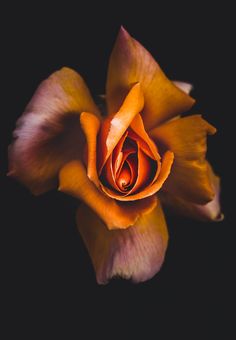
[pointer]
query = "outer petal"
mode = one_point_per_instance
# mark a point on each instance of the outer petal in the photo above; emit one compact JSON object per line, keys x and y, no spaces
{"x":207,"y":212}
{"x":186,"y":137}
{"x":74,"y":181}
{"x":129,"y":63}
{"x":48,"y":134}
{"x":136,"y":253}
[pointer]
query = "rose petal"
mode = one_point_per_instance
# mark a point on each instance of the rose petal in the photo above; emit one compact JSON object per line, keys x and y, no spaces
{"x":186,"y":137}
{"x":136,"y":253}
{"x":138,"y":127}
{"x":90,"y":125}
{"x":75,"y":182}
{"x":124,"y":178}
{"x":129,"y":63}
{"x":48,"y":134}
{"x":207,"y":212}
{"x":115,"y":126}
{"x":144,"y":171}
{"x":108,"y":174}
{"x":186,"y":87}
{"x":117,"y":154}
{"x":150,"y":190}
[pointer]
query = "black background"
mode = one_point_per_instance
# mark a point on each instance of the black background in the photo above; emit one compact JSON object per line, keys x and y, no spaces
{"x":48,"y":277}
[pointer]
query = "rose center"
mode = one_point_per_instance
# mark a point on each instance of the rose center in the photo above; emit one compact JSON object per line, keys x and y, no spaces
{"x":124,"y":178}
{"x":130,"y":167}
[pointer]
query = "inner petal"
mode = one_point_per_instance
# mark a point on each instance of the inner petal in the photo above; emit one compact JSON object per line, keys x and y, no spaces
{"x":117,"y":152}
{"x":129,"y":148}
{"x":145,"y":171}
{"x":124,"y":178}
{"x":142,"y":144}
{"x":124,"y":148}
{"x":134,"y":163}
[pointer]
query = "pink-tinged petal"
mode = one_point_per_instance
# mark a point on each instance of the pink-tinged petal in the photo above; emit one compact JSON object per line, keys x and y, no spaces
{"x":136,"y":253}
{"x":186,"y":137}
{"x":185,"y":87}
{"x":48,"y":134}
{"x":207,"y":212}
{"x":75,"y":182}
{"x":129,"y":63}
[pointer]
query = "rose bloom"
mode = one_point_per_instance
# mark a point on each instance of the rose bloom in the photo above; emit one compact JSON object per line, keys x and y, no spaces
{"x":122,"y":165}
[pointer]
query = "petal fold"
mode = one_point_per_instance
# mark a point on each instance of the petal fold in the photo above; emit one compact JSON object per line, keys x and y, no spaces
{"x":129,"y":63}
{"x":136,"y":253}
{"x":207,"y":212}
{"x":48,"y":134}
{"x":186,"y":138}
{"x":75,"y":182}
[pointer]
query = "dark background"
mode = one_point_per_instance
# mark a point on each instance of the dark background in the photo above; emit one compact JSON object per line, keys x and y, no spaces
{"x":47,"y":274}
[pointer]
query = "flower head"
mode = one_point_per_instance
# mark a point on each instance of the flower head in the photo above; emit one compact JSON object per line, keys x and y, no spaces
{"x":121,"y":166}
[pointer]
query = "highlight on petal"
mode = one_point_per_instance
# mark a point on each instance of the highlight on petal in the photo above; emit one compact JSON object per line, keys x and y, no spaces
{"x":136,"y":253}
{"x":186,"y":87}
{"x":186,"y":138}
{"x":75,"y":182}
{"x":129,"y":63}
{"x":207,"y":212}
{"x":48,"y":134}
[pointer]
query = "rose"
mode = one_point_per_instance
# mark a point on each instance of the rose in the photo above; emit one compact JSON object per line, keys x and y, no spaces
{"x":116,"y":165}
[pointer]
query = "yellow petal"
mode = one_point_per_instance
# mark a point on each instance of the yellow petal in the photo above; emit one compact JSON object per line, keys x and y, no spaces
{"x":75,"y":182}
{"x":129,"y":63}
{"x":48,"y":134}
{"x":115,"y":125}
{"x":136,"y":253}
{"x":189,"y":177}
{"x":207,"y":212}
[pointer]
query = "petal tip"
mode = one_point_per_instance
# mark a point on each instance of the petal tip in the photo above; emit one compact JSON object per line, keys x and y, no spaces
{"x":123,"y":32}
{"x":220,"y":218}
{"x":123,"y":37}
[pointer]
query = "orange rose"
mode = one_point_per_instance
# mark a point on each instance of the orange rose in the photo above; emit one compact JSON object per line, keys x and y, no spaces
{"x":120,"y":166}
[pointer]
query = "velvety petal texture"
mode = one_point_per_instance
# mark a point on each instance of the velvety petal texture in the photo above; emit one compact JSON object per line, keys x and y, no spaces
{"x":129,"y":63}
{"x":48,"y":134}
{"x":136,"y":253}
{"x":186,"y":137}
